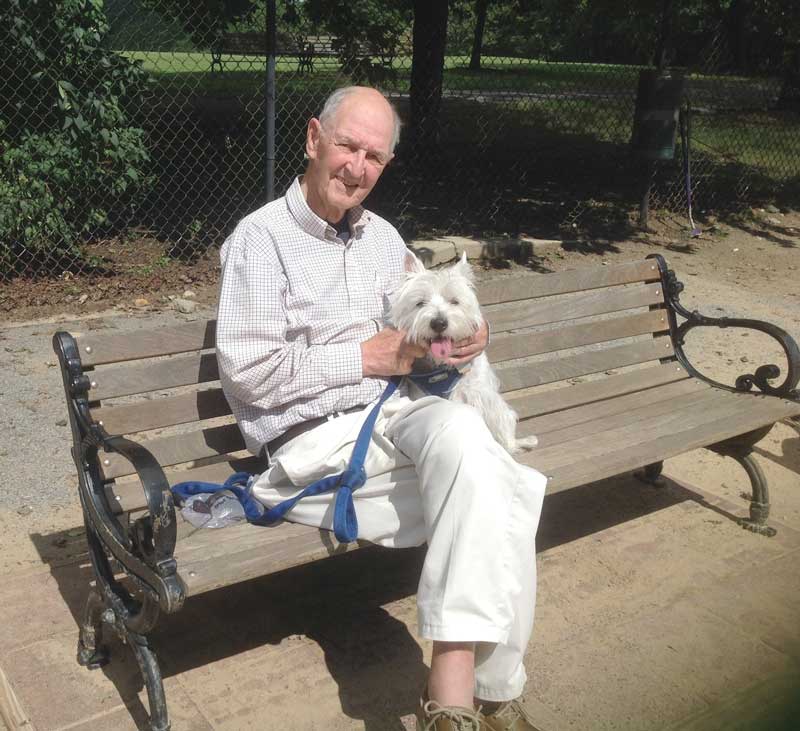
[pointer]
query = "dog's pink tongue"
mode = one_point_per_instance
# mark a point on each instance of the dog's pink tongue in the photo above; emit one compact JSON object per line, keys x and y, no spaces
{"x":441,"y":347}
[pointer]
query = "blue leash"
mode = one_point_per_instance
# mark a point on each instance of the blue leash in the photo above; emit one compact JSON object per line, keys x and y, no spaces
{"x":345,"y":522}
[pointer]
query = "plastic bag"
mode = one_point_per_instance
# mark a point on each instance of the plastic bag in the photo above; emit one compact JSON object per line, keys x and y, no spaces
{"x":213,"y":510}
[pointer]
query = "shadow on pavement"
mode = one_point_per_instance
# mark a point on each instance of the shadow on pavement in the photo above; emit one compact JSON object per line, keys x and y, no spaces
{"x":338,"y":603}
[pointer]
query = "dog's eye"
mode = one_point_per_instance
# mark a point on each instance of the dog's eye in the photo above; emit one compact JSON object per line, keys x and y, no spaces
{"x":421,"y":304}
{"x":454,"y":302}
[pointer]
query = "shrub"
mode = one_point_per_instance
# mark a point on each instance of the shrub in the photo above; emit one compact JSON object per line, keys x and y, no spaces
{"x":67,"y":148}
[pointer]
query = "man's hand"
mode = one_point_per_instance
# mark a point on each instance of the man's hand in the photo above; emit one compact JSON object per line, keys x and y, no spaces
{"x":465,"y":350}
{"x":388,"y":354}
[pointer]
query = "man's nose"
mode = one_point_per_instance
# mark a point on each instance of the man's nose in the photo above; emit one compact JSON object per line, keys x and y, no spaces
{"x":356,"y":163}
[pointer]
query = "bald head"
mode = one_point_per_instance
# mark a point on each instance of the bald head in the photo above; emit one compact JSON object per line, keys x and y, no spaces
{"x":359,"y":95}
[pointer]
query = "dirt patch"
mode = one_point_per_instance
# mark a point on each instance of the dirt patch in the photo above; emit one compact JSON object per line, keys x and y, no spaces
{"x":133,"y":274}
{"x":757,"y":251}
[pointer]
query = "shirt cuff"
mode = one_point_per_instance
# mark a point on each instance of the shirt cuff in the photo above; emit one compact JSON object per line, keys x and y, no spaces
{"x":344,"y":365}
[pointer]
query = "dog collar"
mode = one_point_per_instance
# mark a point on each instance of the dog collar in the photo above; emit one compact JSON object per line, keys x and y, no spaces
{"x":438,"y":382}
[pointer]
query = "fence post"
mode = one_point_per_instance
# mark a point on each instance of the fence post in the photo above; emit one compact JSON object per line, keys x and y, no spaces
{"x":269,"y":101}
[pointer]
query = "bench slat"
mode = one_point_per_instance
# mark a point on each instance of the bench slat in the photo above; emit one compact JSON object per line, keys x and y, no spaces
{"x":553,"y":422}
{"x":528,"y":404}
{"x":146,"y":343}
{"x":210,"y":559}
{"x":126,"y":494}
{"x":738,"y":416}
{"x":508,"y":346}
{"x":161,"y":412}
{"x":172,"y":450}
{"x":536,"y":312}
{"x":701,"y":431}
{"x":582,"y":364}
{"x":177,"y":370}
{"x":576,"y":280}
{"x":699,"y":399}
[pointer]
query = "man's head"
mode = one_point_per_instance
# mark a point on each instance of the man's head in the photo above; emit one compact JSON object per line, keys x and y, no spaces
{"x":348,"y":148}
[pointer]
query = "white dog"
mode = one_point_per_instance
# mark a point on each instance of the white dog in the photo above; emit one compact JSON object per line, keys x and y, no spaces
{"x":437,"y":309}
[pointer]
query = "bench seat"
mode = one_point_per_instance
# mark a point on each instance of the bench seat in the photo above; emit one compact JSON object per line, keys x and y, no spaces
{"x":576,"y":445}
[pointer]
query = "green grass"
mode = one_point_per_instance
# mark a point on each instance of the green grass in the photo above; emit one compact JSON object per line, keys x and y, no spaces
{"x":766,"y":141}
{"x":243,"y":73}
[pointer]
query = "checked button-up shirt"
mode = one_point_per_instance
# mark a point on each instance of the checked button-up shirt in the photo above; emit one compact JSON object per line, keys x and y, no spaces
{"x":295,"y":304}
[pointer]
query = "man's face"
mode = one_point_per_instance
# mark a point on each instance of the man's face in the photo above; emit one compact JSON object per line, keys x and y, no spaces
{"x":348,"y":155}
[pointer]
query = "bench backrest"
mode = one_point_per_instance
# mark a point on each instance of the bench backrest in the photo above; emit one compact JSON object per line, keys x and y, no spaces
{"x":595,"y":325}
{"x":254,"y":43}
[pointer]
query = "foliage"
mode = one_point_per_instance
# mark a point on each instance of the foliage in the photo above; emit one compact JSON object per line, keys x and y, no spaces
{"x":66,"y":142}
{"x":377,"y":27}
{"x":741,"y":36}
{"x":203,"y":20}
{"x":133,"y":26}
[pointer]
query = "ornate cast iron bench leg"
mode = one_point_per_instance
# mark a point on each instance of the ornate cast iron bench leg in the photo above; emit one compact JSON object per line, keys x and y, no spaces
{"x":111,"y":604}
{"x":741,"y":449}
{"x":92,"y":653}
{"x":151,"y":674}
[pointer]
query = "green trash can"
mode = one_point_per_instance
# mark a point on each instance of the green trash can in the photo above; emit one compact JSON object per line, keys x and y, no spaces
{"x":655,"y":122}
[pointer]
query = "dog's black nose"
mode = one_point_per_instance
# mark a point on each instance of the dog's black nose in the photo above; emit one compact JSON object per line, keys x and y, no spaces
{"x":439,"y":324}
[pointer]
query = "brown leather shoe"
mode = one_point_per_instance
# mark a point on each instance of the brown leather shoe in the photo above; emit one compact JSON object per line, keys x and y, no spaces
{"x":431,"y":716}
{"x":509,"y":716}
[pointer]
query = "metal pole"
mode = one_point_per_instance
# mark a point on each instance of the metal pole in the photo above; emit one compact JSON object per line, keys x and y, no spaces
{"x":269,"y":101}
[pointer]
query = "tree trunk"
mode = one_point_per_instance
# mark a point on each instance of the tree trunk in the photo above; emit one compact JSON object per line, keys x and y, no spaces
{"x":427,"y":68}
{"x":737,"y":35}
{"x":481,"y":7}
{"x":789,"y":97}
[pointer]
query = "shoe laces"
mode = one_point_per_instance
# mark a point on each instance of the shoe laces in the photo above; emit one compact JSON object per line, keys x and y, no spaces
{"x":462,"y":718}
{"x":511,"y":711}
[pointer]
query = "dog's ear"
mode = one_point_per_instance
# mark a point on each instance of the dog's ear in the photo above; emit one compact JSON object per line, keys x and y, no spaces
{"x":463,"y":267}
{"x":412,"y":265}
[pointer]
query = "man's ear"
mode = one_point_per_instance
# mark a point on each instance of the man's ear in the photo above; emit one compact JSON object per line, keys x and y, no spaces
{"x":413,"y":265}
{"x":313,"y":135}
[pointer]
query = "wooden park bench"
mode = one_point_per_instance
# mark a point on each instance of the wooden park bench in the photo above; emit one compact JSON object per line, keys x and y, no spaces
{"x":254,"y":43}
{"x":592,"y":360}
{"x":371,"y":64}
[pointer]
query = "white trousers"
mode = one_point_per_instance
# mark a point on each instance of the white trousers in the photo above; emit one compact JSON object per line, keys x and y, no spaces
{"x":436,"y":475}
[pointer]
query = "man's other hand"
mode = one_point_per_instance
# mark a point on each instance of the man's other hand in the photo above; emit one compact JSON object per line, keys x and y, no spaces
{"x":465,"y":350}
{"x":388,"y":354}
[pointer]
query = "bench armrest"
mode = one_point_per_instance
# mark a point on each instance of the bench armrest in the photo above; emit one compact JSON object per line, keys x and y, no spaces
{"x":152,"y":536}
{"x":745,"y":382}
{"x":146,"y":549}
{"x":156,"y":533}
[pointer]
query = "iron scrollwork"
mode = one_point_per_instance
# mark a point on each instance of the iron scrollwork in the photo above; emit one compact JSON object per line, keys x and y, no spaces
{"x":146,"y":548}
{"x":692,"y":318}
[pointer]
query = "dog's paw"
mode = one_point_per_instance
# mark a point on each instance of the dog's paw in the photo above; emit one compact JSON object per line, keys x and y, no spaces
{"x":525,"y":444}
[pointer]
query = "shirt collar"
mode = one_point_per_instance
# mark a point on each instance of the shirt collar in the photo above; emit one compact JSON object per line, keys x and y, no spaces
{"x":312,"y":224}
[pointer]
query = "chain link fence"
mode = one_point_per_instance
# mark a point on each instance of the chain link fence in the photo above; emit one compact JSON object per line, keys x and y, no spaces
{"x":531,"y":141}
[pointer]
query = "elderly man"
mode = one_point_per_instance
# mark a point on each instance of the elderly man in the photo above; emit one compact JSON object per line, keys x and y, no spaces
{"x":303,"y":351}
